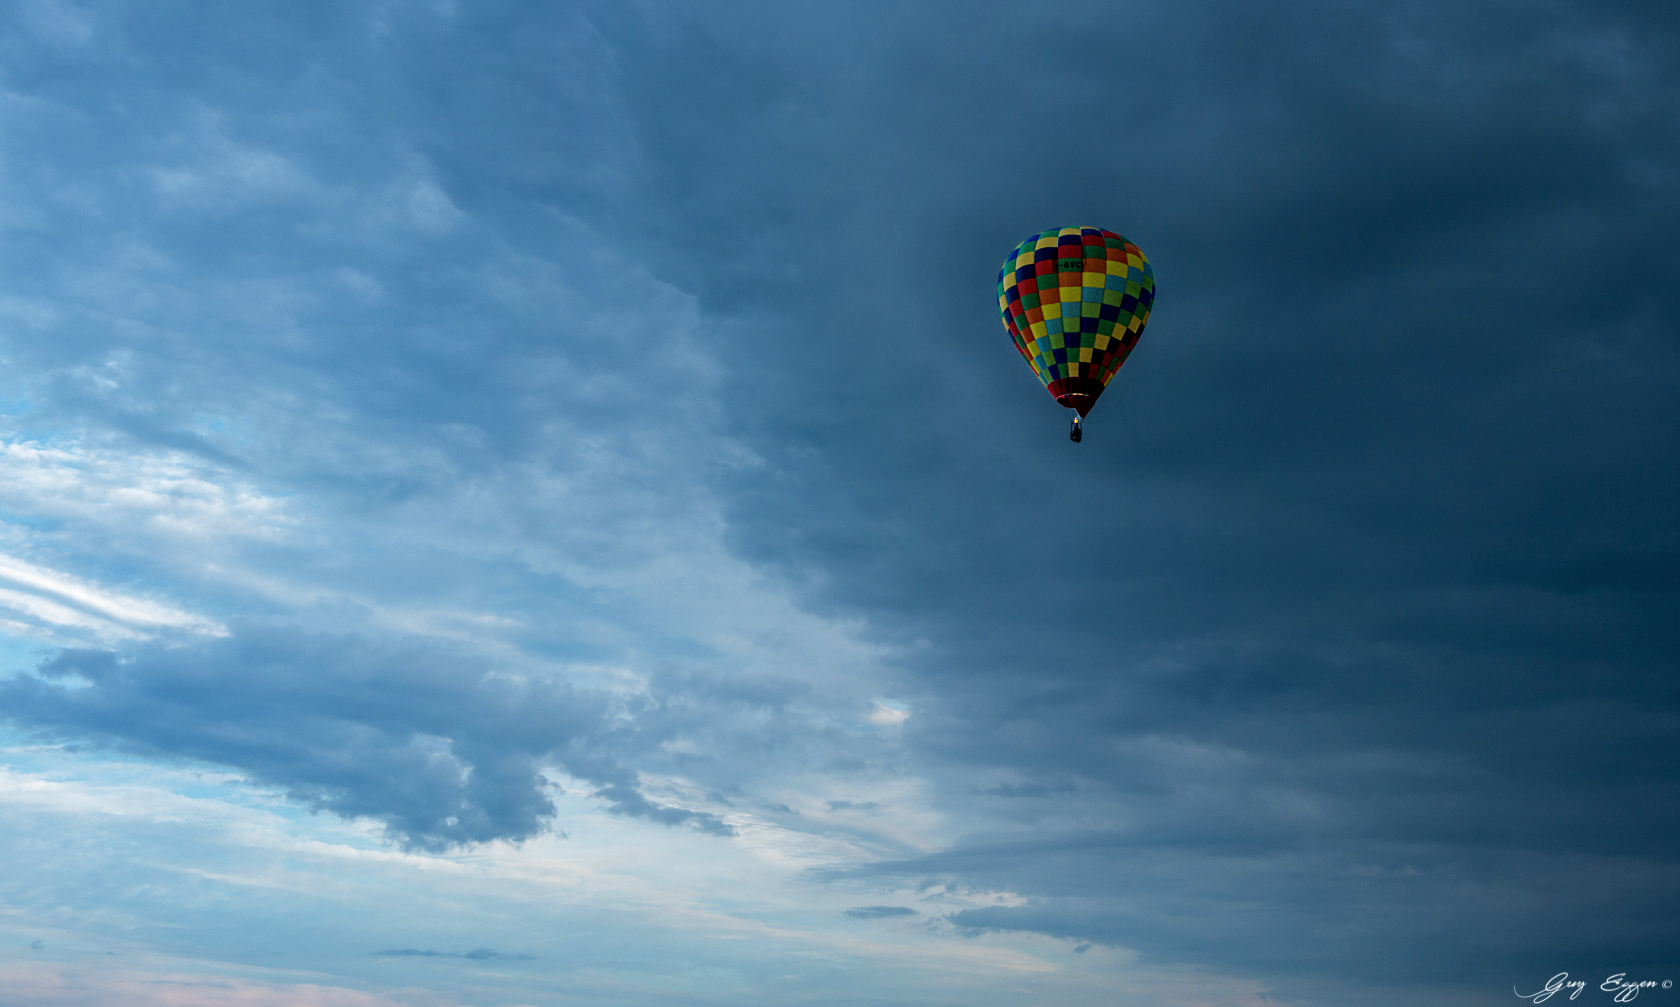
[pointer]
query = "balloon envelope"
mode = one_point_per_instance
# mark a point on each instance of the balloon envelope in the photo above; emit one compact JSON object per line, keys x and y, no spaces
{"x":1075,"y":301}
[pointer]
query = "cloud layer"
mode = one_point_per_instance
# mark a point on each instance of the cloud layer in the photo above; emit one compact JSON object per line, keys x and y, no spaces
{"x":440,"y":751}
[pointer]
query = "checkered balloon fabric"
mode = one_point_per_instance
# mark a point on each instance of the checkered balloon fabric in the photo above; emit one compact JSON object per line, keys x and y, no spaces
{"x":1075,"y":301}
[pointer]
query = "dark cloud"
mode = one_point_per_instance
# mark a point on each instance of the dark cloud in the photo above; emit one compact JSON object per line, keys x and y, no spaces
{"x":472,"y":955}
{"x":437,"y":746}
{"x":1351,"y":614}
{"x":477,"y":954}
{"x":1028,"y":790}
{"x":879,"y":912}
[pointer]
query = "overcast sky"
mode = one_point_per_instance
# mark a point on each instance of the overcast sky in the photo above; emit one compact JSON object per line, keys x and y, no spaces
{"x":532,"y":504}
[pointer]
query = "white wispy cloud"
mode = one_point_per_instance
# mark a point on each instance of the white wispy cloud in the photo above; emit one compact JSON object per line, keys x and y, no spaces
{"x":50,"y":598}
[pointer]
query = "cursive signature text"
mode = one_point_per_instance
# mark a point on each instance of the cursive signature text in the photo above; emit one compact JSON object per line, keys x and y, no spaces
{"x":1554,"y":985}
{"x":1623,"y":988}
{"x":1619,"y":984}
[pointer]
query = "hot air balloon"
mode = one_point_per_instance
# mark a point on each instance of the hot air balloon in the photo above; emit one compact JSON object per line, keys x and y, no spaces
{"x":1075,"y":301}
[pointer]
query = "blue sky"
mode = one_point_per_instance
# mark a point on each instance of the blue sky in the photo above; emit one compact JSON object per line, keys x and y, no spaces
{"x":511,"y":504}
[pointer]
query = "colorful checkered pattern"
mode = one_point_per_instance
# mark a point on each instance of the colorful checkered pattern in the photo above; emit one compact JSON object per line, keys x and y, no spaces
{"x":1075,"y":301}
